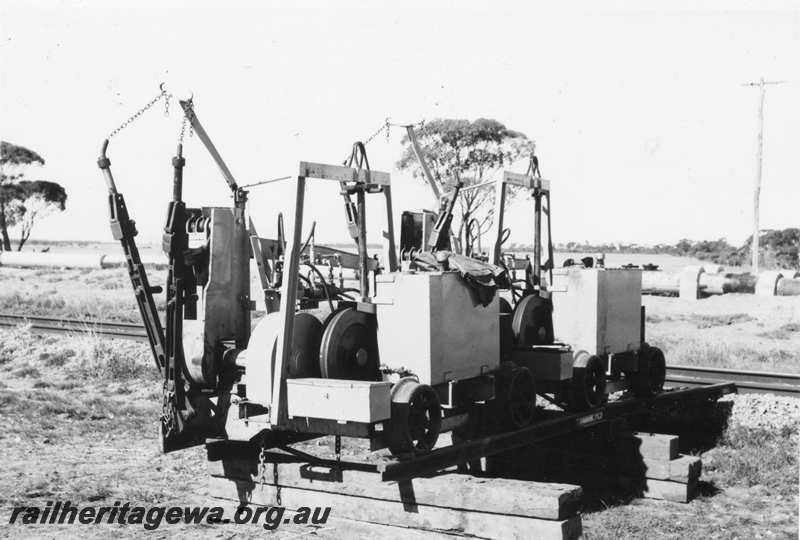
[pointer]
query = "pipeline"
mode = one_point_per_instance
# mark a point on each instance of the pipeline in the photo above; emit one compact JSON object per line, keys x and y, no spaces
{"x":786,"y":283}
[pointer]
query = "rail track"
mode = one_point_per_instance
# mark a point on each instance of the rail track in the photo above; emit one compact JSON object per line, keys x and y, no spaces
{"x":54,"y":325}
{"x":787,"y":384}
{"x":692,"y":376}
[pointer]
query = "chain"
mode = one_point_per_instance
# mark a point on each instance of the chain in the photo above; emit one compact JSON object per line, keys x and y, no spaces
{"x":163,"y":94}
{"x":168,"y":411}
{"x":275,"y":482}
{"x":262,"y":466}
{"x":387,"y":126}
{"x":384,"y":126}
{"x":337,"y":447}
{"x":187,"y":117}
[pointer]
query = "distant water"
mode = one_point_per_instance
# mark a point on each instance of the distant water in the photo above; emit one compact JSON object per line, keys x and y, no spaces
{"x":668,"y":263}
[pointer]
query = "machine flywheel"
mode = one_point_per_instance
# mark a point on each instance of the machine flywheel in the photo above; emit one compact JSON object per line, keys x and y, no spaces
{"x":306,"y":339}
{"x":349,"y":347}
{"x":532,"y":321}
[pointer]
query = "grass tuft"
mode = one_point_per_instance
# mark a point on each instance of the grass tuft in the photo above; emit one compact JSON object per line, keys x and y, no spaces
{"x":750,"y":457}
{"x":786,"y":331}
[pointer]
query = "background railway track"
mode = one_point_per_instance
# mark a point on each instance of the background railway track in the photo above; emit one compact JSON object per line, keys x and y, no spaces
{"x":55,"y":325}
{"x":787,"y":384}
{"x":746,"y":381}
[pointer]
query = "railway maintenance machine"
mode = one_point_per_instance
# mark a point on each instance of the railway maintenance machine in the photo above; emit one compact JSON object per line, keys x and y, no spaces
{"x":580,"y":332}
{"x":418,"y":349}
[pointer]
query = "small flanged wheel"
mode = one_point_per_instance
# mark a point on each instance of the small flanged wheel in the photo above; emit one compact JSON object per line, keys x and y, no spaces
{"x":588,"y":383}
{"x":522,"y":398}
{"x":416,"y":418}
{"x":532,"y":321}
{"x":649,"y":380}
{"x":306,"y":339}
{"x":514,"y":404}
{"x":349,"y":348}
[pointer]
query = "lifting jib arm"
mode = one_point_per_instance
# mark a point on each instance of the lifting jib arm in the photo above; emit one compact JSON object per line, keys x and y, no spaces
{"x":124,"y":229}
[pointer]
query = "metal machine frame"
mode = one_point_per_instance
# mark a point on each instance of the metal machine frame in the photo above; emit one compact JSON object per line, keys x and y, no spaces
{"x":362,"y":180}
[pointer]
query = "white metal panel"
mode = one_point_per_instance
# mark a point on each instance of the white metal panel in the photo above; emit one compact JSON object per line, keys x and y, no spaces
{"x":404,"y":337}
{"x":619,"y":308}
{"x":435,"y":327}
{"x":341,"y":400}
{"x":598,"y":310}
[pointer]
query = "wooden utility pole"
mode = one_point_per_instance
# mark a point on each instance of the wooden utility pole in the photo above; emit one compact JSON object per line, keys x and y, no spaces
{"x":762,"y":84}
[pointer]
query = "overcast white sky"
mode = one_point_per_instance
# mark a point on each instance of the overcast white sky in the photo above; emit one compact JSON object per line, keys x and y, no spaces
{"x":639,"y":115}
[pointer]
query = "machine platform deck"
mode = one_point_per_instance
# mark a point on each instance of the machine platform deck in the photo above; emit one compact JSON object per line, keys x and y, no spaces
{"x":425,"y":492}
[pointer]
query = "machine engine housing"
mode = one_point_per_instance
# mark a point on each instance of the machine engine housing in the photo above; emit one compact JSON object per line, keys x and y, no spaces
{"x":431,"y":324}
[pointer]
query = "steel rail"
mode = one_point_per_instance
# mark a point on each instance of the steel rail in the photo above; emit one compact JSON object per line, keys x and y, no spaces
{"x":787,"y":384}
{"x":56,"y":325}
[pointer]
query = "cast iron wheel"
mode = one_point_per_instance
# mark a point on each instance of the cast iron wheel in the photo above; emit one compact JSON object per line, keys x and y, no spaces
{"x":349,"y":347}
{"x":649,"y":380}
{"x":532,"y":322}
{"x":518,"y":398}
{"x":306,"y":339}
{"x":588,"y":383}
{"x":522,"y":398}
{"x":416,"y":418}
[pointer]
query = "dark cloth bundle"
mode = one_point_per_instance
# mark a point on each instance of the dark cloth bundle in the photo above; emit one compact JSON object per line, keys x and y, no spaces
{"x":483,"y":278}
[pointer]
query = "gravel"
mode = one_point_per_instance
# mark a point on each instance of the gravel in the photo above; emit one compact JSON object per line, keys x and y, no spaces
{"x":764,"y":411}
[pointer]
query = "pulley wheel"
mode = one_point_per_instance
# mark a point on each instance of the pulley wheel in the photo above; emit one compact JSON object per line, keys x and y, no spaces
{"x":349,"y":347}
{"x":306,"y":339}
{"x":416,"y":418}
{"x":649,"y":380}
{"x":588,"y":383}
{"x":532,"y":322}
{"x":506,"y":333}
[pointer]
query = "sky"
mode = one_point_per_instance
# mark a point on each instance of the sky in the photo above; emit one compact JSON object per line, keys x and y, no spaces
{"x":641,"y":121}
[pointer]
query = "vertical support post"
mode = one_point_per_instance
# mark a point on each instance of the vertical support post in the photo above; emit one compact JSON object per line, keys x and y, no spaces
{"x":363,"y":256}
{"x":550,"y":254}
{"x":391,"y":256}
{"x":497,"y":225}
{"x":277,"y":412}
{"x":537,"y":236}
{"x":757,"y":191}
{"x":762,"y":86}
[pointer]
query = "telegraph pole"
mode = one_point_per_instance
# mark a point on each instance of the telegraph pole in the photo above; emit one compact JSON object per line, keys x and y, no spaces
{"x":762,"y":84}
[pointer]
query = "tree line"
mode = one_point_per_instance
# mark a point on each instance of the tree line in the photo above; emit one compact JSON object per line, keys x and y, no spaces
{"x":777,"y":249}
{"x":22,"y":201}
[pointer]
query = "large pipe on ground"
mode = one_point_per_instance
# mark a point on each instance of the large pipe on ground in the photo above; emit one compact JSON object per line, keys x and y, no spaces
{"x":656,"y":282}
{"x":788,"y":287}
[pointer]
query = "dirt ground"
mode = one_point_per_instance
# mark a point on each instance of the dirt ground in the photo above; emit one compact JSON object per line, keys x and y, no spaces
{"x":80,"y":417}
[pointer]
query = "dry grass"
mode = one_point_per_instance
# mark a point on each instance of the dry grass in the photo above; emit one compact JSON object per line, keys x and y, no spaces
{"x":756,"y":457}
{"x":701,"y":351}
{"x":76,"y":294}
{"x":731,"y":331}
{"x":785,"y":331}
